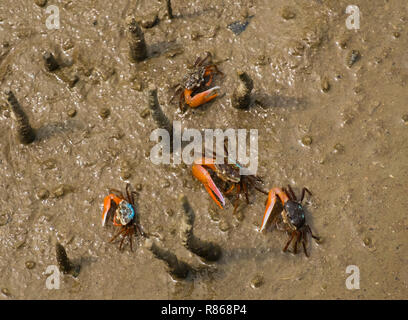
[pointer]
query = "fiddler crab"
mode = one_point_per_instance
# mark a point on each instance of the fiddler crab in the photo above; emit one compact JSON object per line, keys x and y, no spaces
{"x":230,"y":174}
{"x":193,"y":82}
{"x":124,"y":215}
{"x":293,"y":216}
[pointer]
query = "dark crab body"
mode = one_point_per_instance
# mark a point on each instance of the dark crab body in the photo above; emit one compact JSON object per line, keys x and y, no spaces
{"x":227,"y":172}
{"x":194,"y":79}
{"x":293,"y":216}
{"x":190,"y":89}
{"x":124,"y":214}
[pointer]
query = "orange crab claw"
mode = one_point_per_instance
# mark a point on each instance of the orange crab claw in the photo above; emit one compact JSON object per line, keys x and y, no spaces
{"x":271,"y":203}
{"x":204,"y":177}
{"x":107,"y":205}
{"x":199,"y":98}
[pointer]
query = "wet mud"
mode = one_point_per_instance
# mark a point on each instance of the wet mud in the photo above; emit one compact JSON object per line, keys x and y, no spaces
{"x":330,"y":106}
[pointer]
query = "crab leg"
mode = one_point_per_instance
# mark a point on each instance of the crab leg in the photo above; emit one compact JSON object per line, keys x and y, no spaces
{"x":211,"y":78}
{"x":200,"y":98}
{"x":209,"y":71}
{"x":271,"y":203}
{"x":107,"y":205}
{"x":204,"y":177}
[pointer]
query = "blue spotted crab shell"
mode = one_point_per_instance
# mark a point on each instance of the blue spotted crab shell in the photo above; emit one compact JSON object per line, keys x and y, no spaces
{"x":125,"y":212}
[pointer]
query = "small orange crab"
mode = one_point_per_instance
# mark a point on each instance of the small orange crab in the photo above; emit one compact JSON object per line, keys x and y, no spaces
{"x":293,"y":216}
{"x":124,"y":214}
{"x":194,"y":81}
{"x":230,"y":174}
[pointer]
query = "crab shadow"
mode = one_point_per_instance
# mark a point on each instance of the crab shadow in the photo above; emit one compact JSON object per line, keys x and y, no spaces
{"x":263,"y":252}
{"x":267,"y":101}
{"x":157,"y":49}
{"x":58,"y":128}
{"x":193,"y":15}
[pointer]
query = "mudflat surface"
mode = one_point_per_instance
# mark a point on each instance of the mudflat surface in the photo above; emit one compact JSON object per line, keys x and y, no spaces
{"x":355,"y":165}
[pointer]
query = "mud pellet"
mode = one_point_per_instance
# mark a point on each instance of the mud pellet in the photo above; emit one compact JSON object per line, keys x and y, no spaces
{"x":342,"y":43}
{"x":104,"y":112}
{"x":307,"y":140}
{"x":195,"y":35}
{"x":325,"y":85}
{"x":64,"y":264}
{"x":396,"y":34}
{"x":165,"y":184}
{"x":257,"y":281}
{"x":4,"y":219}
{"x":72,"y":79}
{"x":50,"y":62}
{"x":59,"y":192}
{"x":139,"y":187}
{"x":367,"y":241}
{"x":241,"y":97}
{"x":6,"y":292}
{"x":40,"y":3}
{"x":30,"y":264}
{"x":117,"y":134}
{"x":338,"y":148}
{"x":137,"y":86}
{"x":42,"y":194}
{"x":405,"y":118}
{"x":357,"y":89}
{"x":49,"y":164}
{"x":149,"y":21}
{"x":67,"y":44}
{"x":124,"y":164}
{"x":125,"y":175}
{"x":71,"y":113}
{"x":136,"y":40}
{"x":69,"y":76}
{"x":169,"y":212}
{"x":297,"y":49}
{"x":19,"y":244}
{"x":287,"y":13}
{"x":25,"y":132}
{"x":145,"y":113}
{"x":261,"y":60}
